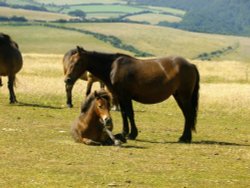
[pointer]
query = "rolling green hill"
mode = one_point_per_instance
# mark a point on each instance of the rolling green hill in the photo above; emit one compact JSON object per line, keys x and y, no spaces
{"x":158,"y":41}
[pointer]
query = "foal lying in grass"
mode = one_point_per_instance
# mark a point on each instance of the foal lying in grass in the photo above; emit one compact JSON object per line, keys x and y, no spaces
{"x":94,"y":125}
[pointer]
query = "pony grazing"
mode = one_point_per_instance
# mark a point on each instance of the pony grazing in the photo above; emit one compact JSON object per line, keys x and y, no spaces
{"x":85,"y":76}
{"x":147,"y":81}
{"x":94,"y":125}
{"x":11,"y":63}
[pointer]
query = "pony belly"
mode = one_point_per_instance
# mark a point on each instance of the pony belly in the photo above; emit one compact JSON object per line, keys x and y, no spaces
{"x":151,"y":98}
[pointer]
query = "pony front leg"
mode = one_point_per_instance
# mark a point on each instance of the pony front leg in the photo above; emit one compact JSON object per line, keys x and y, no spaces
{"x":125,"y":129}
{"x":89,"y":86}
{"x":1,"y":83}
{"x":68,"y":88}
{"x":112,"y":137}
{"x":91,"y":142}
{"x":128,"y":112}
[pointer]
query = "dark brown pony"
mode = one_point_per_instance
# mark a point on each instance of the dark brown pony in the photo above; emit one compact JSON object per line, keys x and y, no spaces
{"x":94,"y":125}
{"x":11,"y":62}
{"x":85,"y":76}
{"x":147,"y":81}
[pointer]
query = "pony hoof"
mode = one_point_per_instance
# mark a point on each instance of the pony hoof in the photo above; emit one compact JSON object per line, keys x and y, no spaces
{"x":184,"y":140}
{"x":117,"y":143}
{"x":70,"y":105}
{"x":13,"y":102}
{"x":131,"y":137}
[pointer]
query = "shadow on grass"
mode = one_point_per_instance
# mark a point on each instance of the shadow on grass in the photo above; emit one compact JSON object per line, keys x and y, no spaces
{"x":202,"y":142}
{"x":133,"y":147}
{"x":23,"y":104}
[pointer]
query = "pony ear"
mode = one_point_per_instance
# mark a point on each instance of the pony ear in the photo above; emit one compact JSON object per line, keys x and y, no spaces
{"x":80,"y":49}
{"x":96,"y":94}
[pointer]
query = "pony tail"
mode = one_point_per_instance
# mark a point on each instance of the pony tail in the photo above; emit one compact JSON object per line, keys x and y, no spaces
{"x":195,"y":99}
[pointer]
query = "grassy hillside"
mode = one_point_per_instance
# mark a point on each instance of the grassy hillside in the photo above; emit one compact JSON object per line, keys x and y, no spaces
{"x":154,"y":18}
{"x":72,"y":2}
{"x":224,"y":16}
{"x":37,"y":150}
{"x":33,"y":15}
{"x":159,"y":41}
{"x":166,"y":41}
{"x":38,"y":39}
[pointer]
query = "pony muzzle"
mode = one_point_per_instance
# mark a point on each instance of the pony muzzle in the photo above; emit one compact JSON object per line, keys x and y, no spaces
{"x":107,"y":121}
{"x":68,"y":81}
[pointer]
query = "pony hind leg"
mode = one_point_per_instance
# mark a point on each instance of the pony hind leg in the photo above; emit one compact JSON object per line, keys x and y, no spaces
{"x":11,"y":82}
{"x":190,"y":117}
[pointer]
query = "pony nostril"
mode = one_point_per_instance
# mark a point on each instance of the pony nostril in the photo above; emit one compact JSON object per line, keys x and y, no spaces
{"x":68,"y":81}
{"x":107,"y":121}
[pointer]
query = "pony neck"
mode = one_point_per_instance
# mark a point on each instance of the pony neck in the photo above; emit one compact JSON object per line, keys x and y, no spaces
{"x":99,"y":64}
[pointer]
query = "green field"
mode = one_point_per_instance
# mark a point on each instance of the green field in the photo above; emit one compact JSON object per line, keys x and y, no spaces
{"x":37,"y":150}
{"x":104,"y":8}
{"x":38,"y":39}
{"x":154,"y":18}
{"x":162,"y":41}
{"x":73,"y":2}
{"x":33,"y":15}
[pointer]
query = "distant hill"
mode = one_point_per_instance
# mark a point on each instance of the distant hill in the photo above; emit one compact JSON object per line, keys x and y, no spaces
{"x":213,"y":16}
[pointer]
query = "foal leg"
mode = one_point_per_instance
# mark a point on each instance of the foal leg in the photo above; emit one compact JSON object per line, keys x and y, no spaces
{"x":11,"y":89}
{"x":91,"y":142}
{"x":186,"y":106}
{"x":69,"y":95}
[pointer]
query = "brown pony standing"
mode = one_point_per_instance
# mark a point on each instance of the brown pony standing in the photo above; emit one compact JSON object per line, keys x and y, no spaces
{"x":147,"y":81}
{"x":94,"y":125}
{"x":85,"y":76}
{"x":11,"y":62}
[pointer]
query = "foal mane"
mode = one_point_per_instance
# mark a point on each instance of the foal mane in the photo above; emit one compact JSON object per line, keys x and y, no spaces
{"x":91,"y":97}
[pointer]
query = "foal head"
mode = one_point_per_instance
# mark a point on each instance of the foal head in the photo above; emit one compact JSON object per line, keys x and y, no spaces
{"x":99,"y":102}
{"x":102,"y":107}
{"x":77,"y":66}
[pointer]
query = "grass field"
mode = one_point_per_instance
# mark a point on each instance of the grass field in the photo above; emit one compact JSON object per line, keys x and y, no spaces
{"x":37,"y":150}
{"x":38,"y":39}
{"x":73,"y":2}
{"x":154,"y":18}
{"x":162,"y":41}
{"x":33,"y":15}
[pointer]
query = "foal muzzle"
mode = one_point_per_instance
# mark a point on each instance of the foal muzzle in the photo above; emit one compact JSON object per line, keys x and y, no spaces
{"x":107,"y":121}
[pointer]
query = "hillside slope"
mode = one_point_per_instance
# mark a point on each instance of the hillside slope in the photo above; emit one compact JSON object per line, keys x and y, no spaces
{"x":224,"y":16}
